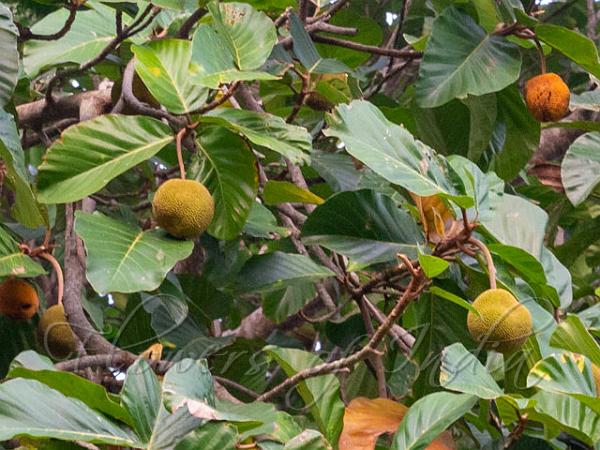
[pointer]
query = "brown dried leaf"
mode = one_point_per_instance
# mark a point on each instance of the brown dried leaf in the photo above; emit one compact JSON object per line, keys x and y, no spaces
{"x":366,"y":419}
{"x":436,"y":216}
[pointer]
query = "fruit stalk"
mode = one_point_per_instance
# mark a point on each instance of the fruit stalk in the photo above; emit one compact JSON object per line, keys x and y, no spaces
{"x":59,"y":275}
{"x":488,"y":259}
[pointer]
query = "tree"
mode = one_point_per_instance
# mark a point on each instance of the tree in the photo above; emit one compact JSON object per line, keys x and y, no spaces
{"x":371,"y":168}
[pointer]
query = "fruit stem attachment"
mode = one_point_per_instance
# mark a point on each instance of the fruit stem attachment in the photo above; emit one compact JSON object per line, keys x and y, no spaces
{"x":178,"y":140}
{"x":488,"y":259}
{"x":540,"y":51}
{"x":59,"y":274}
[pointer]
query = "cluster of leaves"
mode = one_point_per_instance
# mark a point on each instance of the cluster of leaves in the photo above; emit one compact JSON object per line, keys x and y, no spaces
{"x":456,"y":130}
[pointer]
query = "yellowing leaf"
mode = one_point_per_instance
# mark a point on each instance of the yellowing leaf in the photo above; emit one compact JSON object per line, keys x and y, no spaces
{"x":366,"y":419}
{"x":436,"y":217}
{"x":153,"y":353}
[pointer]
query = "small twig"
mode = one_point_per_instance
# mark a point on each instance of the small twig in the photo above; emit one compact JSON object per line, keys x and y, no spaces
{"x":488,"y":259}
{"x":396,"y":53}
{"x":232,"y":384}
{"x":540,"y":51}
{"x":218,"y":101}
{"x":369,"y":349}
{"x":305,"y":78}
{"x":25,"y":34}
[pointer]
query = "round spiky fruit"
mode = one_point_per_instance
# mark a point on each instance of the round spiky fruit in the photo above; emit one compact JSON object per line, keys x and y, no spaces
{"x":547,"y":97}
{"x":18,"y":299}
{"x":184,"y":208}
{"x":318,"y":102}
{"x":503,"y":324}
{"x":55,"y":334}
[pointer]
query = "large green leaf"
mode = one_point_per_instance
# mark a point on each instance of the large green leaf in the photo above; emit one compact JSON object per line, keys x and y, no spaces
{"x":215,"y":63}
{"x":211,"y":436}
{"x":321,"y":394}
{"x":123,"y":258}
{"x":571,"y":44}
{"x":13,"y":262}
{"x":461,"y":371}
{"x":566,"y":374}
{"x":249,"y":35}
{"x":280,"y":305}
{"x":308,"y":440}
{"x":390,"y":150}
{"x":274,"y":271}
{"x":228,"y":169}
{"x":143,"y":397}
{"x":9,"y":66}
{"x":565,"y":413}
{"x":265,"y":130}
{"x":189,"y":379}
{"x":30,"y":408}
{"x":164,"y":67}
{"x":461,"y":59}
{"x":428,"y":417}
{"x":33,"y":366}
{"x":580,"y":168}
{"x":92,"y":153}
{"x":364,"y":225}
{"x":572,"y":335}
{"x":92,"y":30}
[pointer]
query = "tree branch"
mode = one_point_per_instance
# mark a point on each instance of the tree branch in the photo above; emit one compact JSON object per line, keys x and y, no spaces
{"x":25,"y":33}
{"x":395,"y":53}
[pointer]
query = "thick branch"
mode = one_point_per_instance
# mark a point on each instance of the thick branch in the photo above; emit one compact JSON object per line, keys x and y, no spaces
{"x":25,"y":34}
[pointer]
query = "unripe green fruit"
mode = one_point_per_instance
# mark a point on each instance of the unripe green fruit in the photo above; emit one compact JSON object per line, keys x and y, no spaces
{"x":184,"y":208}
{"x":55,"y":334}
{"x":503,"y":323}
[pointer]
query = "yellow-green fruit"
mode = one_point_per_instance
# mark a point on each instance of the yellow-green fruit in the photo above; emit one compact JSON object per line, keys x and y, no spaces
{"x":503,"y":323}
{"x":18,"y":299}
{"x":184,"y":208}
{"x":547,"y":97}
{"x":55,"y":334}
{"x":596,"y":373}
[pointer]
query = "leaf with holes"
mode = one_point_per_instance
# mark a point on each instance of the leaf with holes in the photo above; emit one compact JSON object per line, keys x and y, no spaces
{"x":123,"y":258}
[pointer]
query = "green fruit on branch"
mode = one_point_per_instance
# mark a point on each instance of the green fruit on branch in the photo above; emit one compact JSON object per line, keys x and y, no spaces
{"x":55,"y":334}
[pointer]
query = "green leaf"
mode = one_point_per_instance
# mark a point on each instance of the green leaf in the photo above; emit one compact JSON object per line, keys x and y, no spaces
{"x":280,"y":305}
{"x":580,"y":168}
{"x":92,"y":30}
{"x":277,"y":192}
{"x":25,"y":210}
{"x":568,"y":414}
{"x":249,"y":35}
{"x":228,"y":169}
{"x":432,"y":265}
{"x":164,"y":67}
{"x":12,"y":260}
{"x":123,"y":258}
{"x":461,"y":59}
{"x":307,"y":53}
{"x":483,"y":112}
{"x":321,"y":393}
{"x":364,"y":225}
{"x":30,"y":408}
{"x":262,"y":223}
{"x":585,"y":125}
{"x":516,"y":135}
{"x":461,"y":371}
{"x":30,"y":365}
{"x":446,"y":295}
{"x":571,"y":44}
{"x":390,"y":151}
{"x":572,"y":335}
{"x":189,"y":379}
{"x":9,"y":66}
{"x":143,"y":397}
{"x":211,"y":436}
{"x":92,"y":153}
{"x":566,"y":374}
{"x":265,"y":130}
{"x":428,"y":417}
{"x":276,"y":270}
{"x":215,"y":64}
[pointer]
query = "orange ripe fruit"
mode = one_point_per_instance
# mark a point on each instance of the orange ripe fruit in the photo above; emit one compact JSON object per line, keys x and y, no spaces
{"x":547,"y":97}
{"x":18,"y":299}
